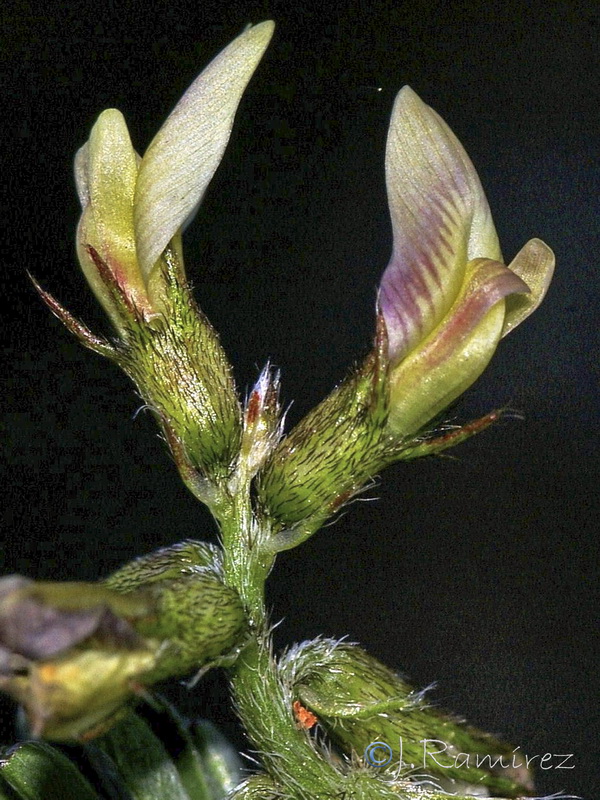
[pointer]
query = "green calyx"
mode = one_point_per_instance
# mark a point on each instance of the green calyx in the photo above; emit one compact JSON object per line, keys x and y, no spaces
{"x":174,"y":357}
{"x":195,"y":615}
{"x":330,"y":455}
{"x":182,"y":372}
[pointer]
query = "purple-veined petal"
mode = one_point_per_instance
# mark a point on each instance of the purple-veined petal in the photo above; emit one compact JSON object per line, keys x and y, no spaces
{"x":534,"y":263}
{"x":456,"y":352}
{"x":185,"y":153}
{"x":440,"y":221}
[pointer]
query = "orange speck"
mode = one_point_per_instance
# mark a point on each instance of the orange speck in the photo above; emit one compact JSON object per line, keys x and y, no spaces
{"x":305,"y":718}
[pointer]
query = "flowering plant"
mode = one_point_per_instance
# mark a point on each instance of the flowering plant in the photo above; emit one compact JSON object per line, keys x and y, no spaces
{"x":78,"y":657}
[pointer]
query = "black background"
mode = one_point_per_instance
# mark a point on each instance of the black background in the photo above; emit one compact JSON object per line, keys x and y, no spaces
{"x":480,"y":571}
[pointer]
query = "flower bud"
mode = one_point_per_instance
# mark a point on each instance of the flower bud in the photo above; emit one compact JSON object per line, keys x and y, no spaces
{"x":262,"y":424}
{"x":129,"y":246}
{"x":446,"y":296}
{"x":360,"y":702}
{"x":133,"y":208}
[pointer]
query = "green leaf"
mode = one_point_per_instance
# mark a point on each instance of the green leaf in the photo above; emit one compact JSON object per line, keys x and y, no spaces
{"x":37,"y":771}
{"x":94,"y":761}
{"x":208,"y":765}
{"x":142,"y":761}
{"x":172,"y":729}
{"x":220,"y":760}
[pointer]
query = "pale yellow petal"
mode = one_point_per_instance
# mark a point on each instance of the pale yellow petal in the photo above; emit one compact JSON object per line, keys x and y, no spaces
{"x":111,"y":178}
{"x":534,"y":264}
{"x":106,"y":173}
{"x":184,"y":155}
{"x":87,"y":235}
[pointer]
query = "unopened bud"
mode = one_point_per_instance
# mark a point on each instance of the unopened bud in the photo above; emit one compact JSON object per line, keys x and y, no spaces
{"x":262,"y":423}
{"x":362,"y":703}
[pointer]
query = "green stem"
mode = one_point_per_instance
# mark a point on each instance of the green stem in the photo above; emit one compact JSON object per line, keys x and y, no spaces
{"x":245,"y":563}
{"x":265,"y":707}
{"x":263,"y":701}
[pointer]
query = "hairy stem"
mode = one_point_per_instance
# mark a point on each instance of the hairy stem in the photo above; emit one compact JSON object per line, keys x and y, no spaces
{"x":263,"y":701}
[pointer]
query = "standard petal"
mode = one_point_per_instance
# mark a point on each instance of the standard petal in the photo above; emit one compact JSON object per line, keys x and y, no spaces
{"x":183,"y":156}
{"x":440,"y":221}
{"x":534,"y":264}
{"x":456,"y":352}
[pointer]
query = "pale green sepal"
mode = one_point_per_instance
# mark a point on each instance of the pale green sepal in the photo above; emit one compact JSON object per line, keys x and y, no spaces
{"x":85,"y":336}
{"x":449,"y":436}
{"x":184,"y":155}
{"x":38,"y":771}
{"x":534,"y":264}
